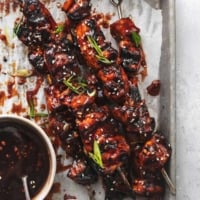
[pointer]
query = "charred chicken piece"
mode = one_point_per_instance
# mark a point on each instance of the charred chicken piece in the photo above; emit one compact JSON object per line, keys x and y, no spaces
{"x":60,"y":60}
{"x":59,"y":95}
{"x":62,"y":125}
{"x":53,"y":96}
{"x":123,"y":28}
{"x":136,"y":120}
{"x":77,"y":10}
{"x":88,"y":35}
{"x":115,"y":83}
{"x":37,"y":14}
{"x":36,"y":58}
{"x":33,"y":36}
{"x":154,"y":154}
{"x":82,"y":173}
{"x":115,"y":187}
{"x":38,"y":24}
{"x":96,"y":128}
{"x":131,"y":53}
{"x":132,"y":57}
{"x":149,"y":188}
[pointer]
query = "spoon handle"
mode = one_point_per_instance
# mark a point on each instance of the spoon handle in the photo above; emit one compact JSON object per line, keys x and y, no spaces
{"x":24,"y":181}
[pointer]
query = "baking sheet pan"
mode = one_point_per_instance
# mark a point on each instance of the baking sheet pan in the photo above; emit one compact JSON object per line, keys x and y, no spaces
{"x":165,"y":103}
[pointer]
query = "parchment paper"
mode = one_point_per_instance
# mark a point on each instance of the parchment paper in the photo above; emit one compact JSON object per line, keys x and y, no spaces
{"x":14,"y":56}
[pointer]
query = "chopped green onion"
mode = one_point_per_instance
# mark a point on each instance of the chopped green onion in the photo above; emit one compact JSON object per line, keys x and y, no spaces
{"x":100,"y":55}
{"x":22,"y":73}
{"x":17,"y":27}
{"x":136,"y":38}
{"x":78,"y":87}
{"x":38,"y":114}
{"x":32,"y":109}
{"x":96,"y":155}
{"x":59,"y":29}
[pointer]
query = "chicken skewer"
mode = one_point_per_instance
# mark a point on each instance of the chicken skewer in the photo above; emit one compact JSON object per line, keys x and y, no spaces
{"x":55,"y":56}
{"x":116,"y":28}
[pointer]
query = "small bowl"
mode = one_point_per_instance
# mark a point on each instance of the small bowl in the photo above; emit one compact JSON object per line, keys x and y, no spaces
{"x":28,"y":151}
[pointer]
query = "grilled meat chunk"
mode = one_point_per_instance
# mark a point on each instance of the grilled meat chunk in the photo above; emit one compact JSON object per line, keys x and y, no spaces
{"x":36,"y":58}
{"x":60,"y":60}
{"x":123,"y":28}
{"x":77,"y":10}
{"x":36,"y":27}
{"x":148,"y":188}
{"x":82,"y":173}
{"x":136,"y":120}
{"x":130,"y":50}
{"x":37,"y":14}
{"x":115,"y":83}
{"x":154,"y":154}
{"x":88,"y":35}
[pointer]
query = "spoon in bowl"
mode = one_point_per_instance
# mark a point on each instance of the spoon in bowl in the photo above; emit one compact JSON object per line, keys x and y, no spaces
{"x":25,"y":185}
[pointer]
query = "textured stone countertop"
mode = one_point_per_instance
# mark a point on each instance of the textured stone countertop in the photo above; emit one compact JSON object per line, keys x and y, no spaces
{"x":188,"y":99}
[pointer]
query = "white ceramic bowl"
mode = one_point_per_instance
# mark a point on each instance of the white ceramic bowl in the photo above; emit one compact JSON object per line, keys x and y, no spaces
{"x":41,"y":135}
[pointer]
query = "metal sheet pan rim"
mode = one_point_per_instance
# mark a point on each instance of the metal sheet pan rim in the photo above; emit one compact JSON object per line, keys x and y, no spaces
{"x":168,"y":9}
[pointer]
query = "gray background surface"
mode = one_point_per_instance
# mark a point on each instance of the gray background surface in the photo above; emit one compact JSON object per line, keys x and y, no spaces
{"x":188,"y":99}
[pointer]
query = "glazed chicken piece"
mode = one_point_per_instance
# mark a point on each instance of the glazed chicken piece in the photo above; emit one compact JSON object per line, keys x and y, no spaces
{"x":35,"y":29}
{"x":129,"y":41}
{"x":59,"y":95}
{"x":101,"y":57}
{"x":60,"y":60}
{"x":88,"y":35}
{"x":114,"y":185}
{"x":136,"y":121}
{"x":114,"y":82}
{"x":149,"y":188}
{"x":37,"y":14}
{"x":77,"y":9}
{"x":36,"y":58}
{"x":98,"y":129}
{"x":123,"y":28}
{"x":154,"y":154}
{"x":62,"y":125}
{"x":82,"y":173}
{"x":56,"y":59}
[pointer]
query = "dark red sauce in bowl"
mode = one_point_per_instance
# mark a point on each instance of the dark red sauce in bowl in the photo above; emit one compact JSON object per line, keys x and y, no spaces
{"x":24,"y":150}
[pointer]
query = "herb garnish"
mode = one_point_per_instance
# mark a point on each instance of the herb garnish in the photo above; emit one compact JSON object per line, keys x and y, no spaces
{"x":17,"y":26}
{"x":100,"y":55}
{"x":78,"y":85}
{"x":22,"y":73}
{"x":59,"y":29}
{"x":136,"y":38}
{"x":96,"y":155}
{"x":32,"y":112}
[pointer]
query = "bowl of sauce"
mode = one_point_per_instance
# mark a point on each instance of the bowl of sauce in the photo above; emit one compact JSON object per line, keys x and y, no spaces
{"x":25,"y":150}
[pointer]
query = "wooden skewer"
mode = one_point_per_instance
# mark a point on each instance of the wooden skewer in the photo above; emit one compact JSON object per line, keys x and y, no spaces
{"x":168,"y":181}
{"x":124,"y":177}
{"x":117,"y":4}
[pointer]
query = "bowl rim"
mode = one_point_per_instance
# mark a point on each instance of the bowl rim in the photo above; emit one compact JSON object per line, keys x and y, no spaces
{"x":51,"y":152}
